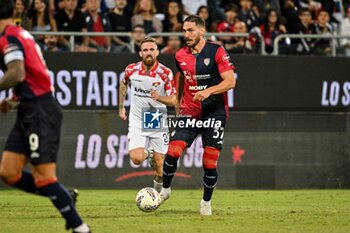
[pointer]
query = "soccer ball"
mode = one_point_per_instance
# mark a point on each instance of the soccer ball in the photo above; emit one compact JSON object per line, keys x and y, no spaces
{"x":147,"y":199}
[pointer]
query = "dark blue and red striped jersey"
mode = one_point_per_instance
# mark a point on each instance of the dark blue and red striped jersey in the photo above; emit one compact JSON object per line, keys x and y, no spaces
{"x":17,"y":44}
{"x":201,"y":71}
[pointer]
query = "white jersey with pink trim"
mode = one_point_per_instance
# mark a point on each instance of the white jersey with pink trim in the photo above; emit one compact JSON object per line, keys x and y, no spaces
{"x":142,"y":82}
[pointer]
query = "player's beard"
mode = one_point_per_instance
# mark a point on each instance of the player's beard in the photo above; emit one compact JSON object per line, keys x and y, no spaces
{"x":149,"y":61}
{"x":193,"y":43}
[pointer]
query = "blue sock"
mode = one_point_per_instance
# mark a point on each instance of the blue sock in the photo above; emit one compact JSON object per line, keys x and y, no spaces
{"x":26,"y":183}
{"x":169,"y":169}
{"x":209,"y":181}
{"x":63,"y":201}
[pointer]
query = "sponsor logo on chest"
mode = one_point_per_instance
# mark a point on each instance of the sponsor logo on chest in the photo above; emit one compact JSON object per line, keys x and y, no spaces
{"x":197,"y":88}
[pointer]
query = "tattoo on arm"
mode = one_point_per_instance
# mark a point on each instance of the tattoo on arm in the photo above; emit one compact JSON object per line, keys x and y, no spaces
{"x":123,"y":88}
{"x":14,"y":75}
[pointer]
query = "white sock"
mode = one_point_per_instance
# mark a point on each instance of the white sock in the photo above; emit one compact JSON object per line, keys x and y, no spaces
{"x":207,"y":202}
{"x":83,"y":228}
{"x":166,"y":190}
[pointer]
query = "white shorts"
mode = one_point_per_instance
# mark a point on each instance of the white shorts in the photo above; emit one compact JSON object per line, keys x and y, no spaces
{"x":158,"y":142}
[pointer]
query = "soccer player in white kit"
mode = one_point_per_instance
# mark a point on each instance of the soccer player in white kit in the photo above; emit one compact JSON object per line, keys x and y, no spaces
{"x":152,"y":89}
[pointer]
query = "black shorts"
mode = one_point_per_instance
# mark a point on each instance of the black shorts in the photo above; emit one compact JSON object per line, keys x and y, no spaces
{"x":212,"y":136}
{"x":37,"y":130}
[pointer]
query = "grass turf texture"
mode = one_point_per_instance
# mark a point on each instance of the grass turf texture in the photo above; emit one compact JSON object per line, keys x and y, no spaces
{"x":233,"y":211}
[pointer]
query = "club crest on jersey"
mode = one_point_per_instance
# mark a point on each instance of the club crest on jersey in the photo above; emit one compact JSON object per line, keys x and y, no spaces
{"x":155,"y":84}
{"x":206,"y":61}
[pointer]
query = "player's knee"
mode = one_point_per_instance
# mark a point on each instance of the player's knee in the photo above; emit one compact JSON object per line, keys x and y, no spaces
{"x":176,"y":148}
{"x":137,"y":156}
{"x":210,"y":157}
{"x":9,"y":177}
{"x":137,"y":160}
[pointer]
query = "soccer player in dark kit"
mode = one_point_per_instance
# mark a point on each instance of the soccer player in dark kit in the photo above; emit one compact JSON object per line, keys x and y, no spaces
{"x":35,"y":135}
{"x":207,"y":75}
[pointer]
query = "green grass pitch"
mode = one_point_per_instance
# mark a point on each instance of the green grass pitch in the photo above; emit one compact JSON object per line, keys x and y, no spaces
{"x":287,"y":211}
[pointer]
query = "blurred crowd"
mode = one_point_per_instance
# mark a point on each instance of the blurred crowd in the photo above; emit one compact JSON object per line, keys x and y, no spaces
{"x":260,"y":19}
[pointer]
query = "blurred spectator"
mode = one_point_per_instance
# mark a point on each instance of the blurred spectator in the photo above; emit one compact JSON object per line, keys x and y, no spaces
{"x":210,"y":25}
{"x":21,"y":15}
{"x":173,"y":44}
{"x":265,"y":5}
{"x":144,"y":14}
{"x":346,"y":3}
{"x":173,"y":17}
{"x":338,"y":11}
{"x":41,"y":19}
{"x":231,"y":12}
{"x":247,"y":15}
{"x":334,"y":9}
{"x":120,"y":22}
{"x":191,"y":6}
{"x":97,"y":22}
{"x":306,"y":26}
{"x":51,"y":44}
{"x":70,"y":19}
{"x":323,"y":27}
{"x":217,"y":9}
{"x":137,"y":35}
{"x":290,"y":10}
{"x":108,"y":5}
{"x":271,"y":28}
{"x":345,"y":30}
{"x":312,"y":5}
{"x":60,"y":5}
{"x":52,"y":6}
{"x":160,"y":5}
{"x":241,"y":44}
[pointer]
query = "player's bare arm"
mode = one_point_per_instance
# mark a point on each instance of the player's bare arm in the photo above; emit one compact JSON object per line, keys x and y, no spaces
{"x":123,"y":88}
{"x":228,"y":83}
{"x":167,"y":100}
{"x":13,"y":76}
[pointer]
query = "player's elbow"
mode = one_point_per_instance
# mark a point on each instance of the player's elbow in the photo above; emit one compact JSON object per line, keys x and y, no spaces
{"x":20,"y":77}
{"x":16,"y":71}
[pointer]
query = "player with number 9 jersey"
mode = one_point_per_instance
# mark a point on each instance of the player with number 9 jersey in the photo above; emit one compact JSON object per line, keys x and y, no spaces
{"x":35,"y":136}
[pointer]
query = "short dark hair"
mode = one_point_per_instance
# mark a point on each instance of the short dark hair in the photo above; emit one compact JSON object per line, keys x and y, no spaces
{"x":231,"y":7}
{"x":303,"y":10}
{"x":6,"y":9}
{"x":137,"y":26}
{"x":148,"y":39}
{"x":195,"y":19}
